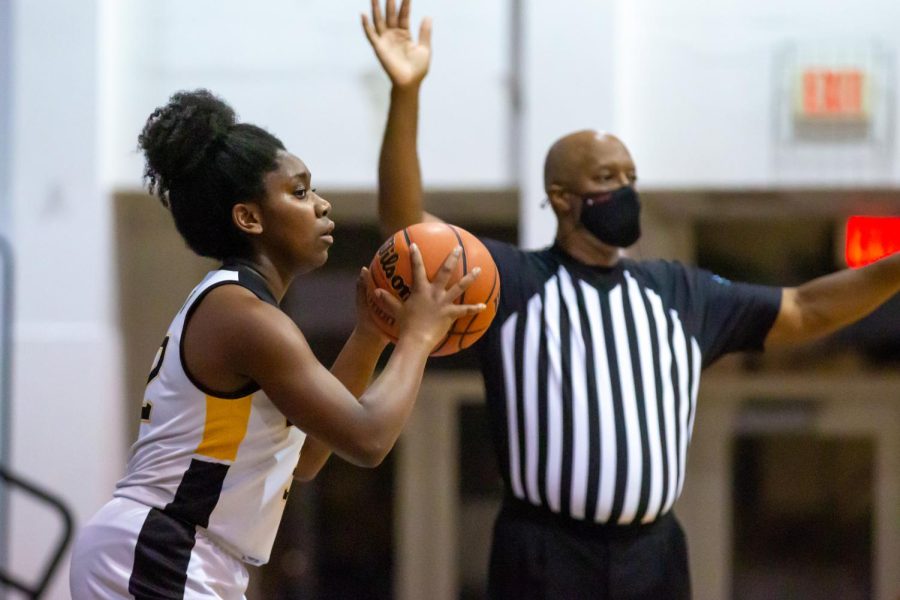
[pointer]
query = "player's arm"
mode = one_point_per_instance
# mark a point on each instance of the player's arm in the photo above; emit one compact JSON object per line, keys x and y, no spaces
{"x":406,"y":62}
{"x":353,"y":368}
{"x":260,"y":342}
{"x":828,"y":303}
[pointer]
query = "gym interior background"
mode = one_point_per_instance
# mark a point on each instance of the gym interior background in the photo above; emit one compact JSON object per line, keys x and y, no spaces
{"x":758,"y":128}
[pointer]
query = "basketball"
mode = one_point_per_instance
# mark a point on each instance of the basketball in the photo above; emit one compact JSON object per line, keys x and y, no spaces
{"x":391,"y":269}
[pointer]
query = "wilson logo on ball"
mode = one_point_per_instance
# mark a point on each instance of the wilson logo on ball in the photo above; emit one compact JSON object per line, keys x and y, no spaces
{"x":387,"y":258}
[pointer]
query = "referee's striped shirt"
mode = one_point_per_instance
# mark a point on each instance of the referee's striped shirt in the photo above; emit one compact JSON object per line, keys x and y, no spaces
{"x":592,"y":374}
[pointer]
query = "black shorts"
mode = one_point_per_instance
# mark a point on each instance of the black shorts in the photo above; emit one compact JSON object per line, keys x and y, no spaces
{"x":537,"y":554}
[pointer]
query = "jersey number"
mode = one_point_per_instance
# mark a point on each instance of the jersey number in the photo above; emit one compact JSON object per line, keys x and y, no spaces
{"x":146,"y":409}
{"x":158,"y":360}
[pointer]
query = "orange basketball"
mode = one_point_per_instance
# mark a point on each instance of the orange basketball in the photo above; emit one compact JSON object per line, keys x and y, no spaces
{"x":392,"y":271}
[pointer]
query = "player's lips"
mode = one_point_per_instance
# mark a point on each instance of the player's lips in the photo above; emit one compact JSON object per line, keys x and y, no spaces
{"x":327,"y":235}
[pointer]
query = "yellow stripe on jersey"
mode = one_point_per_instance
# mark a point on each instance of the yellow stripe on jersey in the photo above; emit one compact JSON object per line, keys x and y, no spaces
{"x":225,"y":427}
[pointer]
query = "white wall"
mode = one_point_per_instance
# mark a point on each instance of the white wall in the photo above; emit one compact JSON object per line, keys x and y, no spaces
{"x":5,"y":350}
{"x":5,"y":90}
{"x":304,"y":70}
{"x":697,"y":84}
{"x":68,"y":429}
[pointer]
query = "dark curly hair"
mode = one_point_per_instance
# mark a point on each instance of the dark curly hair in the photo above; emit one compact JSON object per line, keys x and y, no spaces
{"x":200,"y":162}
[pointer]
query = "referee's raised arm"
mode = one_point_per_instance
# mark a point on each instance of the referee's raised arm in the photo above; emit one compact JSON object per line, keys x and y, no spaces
{"x":406,"y":62}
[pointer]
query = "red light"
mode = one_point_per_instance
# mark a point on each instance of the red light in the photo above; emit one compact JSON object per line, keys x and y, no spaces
{"x":871,"y":238}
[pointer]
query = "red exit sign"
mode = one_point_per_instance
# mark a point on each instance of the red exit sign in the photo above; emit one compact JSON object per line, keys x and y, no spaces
{"x":833,"y":94}
{"x":871,"y":238}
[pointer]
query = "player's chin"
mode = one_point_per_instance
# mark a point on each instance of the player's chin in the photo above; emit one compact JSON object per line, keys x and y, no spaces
{"x":314,"y":261}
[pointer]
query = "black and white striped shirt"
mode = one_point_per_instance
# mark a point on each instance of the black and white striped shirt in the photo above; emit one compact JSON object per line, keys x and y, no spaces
{"x":592,"y":373}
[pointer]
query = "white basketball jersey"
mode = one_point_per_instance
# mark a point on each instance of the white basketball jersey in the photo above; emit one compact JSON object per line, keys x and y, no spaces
{"x":220,"y":462}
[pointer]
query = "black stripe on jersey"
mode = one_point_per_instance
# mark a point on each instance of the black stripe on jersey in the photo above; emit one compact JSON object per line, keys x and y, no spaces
{"x":198,"y":492}
{"x":519,"y":353}
{"x":161,"y":558}
{"x":618,"y":411}
{"x":543,"y":415}
{"x":660,"y":408}
{"x":676,"y":390}
{"x":251,"y":279}
{"x":565,"y":342}
{"x":164,"y":545}
{"x":593,"y":483}
{"x":689,"y":350}
{"x":638,"y":379}
{"x":159,"y":361}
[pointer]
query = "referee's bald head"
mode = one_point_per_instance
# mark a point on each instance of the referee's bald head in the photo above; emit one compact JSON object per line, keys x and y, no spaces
{"x":583,"y":154}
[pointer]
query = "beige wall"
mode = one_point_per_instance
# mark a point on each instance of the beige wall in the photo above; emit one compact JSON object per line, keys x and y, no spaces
{"x":155,"y":272}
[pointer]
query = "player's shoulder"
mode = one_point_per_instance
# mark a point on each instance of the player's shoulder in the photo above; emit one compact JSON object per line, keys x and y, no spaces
{"x":660,"y":269}
{"x":504,"y":254}
{"x":235,"y":316}
{"x":233,"y":299}
{"x":508,"y":251}
{"x":689,"y":281}
{"x":498,"y":247}
{"x":520,"y":264}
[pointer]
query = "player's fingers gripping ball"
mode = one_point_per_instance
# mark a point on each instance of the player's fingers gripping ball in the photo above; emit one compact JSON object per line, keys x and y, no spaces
{"x":391,"y":270}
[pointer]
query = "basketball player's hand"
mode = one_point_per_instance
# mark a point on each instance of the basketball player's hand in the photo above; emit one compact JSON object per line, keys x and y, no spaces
{"x":430,"y":309}
{"x":404,"y":60}
{"x":365,"y":324}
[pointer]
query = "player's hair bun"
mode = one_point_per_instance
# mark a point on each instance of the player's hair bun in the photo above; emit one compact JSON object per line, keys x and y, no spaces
{"x":200,"y":162}
{"x":181,"y":135}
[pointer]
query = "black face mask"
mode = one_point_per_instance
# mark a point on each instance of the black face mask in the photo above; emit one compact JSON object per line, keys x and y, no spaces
{"x":613,"y":217}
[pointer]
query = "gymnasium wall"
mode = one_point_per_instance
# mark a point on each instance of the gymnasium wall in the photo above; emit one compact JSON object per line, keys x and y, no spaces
{"x":5,"y":48}
{"x":58,"y":205}
{"x":68,"y":427}
{"x":304,"y":70}
{"x":699,"y":90}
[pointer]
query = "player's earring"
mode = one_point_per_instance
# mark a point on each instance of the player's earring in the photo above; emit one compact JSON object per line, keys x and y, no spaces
{"x":545,"y":203}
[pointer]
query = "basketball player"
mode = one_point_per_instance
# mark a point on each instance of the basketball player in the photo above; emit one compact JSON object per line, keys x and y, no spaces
{"x":592,"y":363}
{"x":234,"y":388}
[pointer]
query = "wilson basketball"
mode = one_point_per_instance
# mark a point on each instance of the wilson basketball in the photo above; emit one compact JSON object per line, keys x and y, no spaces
{"x":392,"y":271}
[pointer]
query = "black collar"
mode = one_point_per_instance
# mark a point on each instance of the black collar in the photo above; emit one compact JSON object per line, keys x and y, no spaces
{"x":251,"y":278}
{"x":571,"y":261}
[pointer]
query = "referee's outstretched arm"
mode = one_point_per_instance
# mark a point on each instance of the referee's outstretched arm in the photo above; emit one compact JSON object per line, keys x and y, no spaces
{"x":828,"y":303}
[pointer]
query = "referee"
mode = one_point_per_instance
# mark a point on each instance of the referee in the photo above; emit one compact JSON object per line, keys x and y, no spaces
{"x":593,"y":362}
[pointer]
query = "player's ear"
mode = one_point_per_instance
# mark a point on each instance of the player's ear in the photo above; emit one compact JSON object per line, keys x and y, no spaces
{"x":248,"y":217}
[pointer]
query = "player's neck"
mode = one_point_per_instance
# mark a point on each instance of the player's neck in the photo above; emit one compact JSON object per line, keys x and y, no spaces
{"x":275,"y":280}
{"x":587,"y":249}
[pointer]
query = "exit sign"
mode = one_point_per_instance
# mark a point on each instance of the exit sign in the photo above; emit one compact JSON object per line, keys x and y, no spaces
{"x":871,"y":238}
{"x":832,"y":94}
